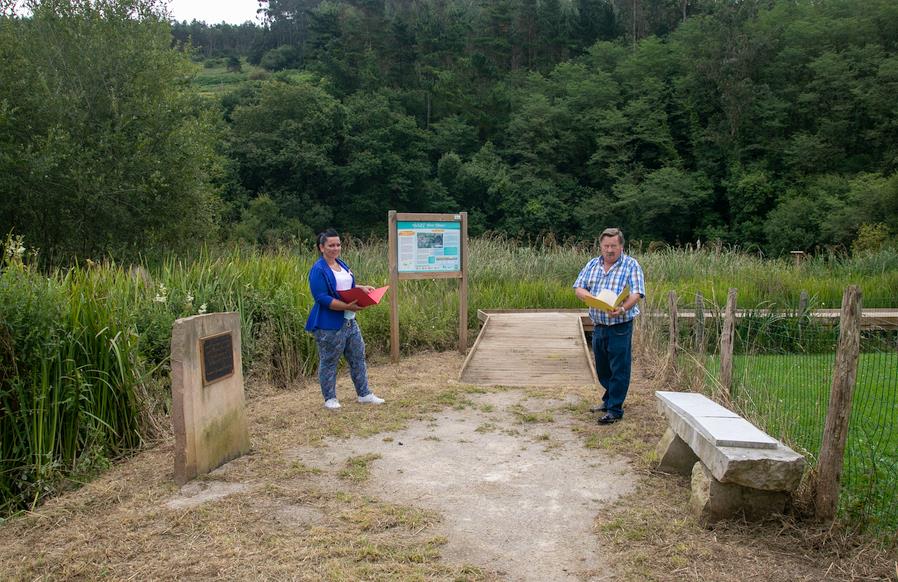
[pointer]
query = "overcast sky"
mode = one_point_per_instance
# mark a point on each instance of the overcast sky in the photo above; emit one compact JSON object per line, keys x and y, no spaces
{"x":214,"y":11}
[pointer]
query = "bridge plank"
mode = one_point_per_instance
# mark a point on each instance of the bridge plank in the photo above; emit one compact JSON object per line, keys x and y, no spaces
{"x":530,"y":349}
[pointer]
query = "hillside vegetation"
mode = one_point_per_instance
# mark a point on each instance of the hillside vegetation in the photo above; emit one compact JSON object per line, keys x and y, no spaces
{"x":767,"y":124}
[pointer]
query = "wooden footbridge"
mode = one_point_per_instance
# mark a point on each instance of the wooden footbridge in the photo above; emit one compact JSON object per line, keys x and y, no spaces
{"x":536,"y":347}
{"x":530,"y":348}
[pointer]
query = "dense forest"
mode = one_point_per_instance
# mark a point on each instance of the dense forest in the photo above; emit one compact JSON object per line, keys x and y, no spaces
{"x":767,"y":124}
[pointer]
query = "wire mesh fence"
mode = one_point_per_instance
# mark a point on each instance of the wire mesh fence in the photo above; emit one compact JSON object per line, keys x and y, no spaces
{"x":870,"y":473}
{"x":782,"y":375}
{"x":782,"y":363}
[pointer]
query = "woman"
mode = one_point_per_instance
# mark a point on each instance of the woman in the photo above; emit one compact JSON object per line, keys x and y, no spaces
{"x":332,"y":322}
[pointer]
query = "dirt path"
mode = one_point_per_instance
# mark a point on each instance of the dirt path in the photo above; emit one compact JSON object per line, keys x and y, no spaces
{"x":515,"y":485}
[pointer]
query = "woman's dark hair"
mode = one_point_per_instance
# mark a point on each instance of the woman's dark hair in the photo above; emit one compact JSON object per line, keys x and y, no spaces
{"x":323,"y":236}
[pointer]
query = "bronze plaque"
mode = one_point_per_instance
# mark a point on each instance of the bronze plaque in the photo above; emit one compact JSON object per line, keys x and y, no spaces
{"x":217,"y":357}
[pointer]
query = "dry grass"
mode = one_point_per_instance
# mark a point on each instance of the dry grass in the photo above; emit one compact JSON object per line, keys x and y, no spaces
{"x":297,"y":522}
{"x":293,"y":521}
{"x":358,"y":469}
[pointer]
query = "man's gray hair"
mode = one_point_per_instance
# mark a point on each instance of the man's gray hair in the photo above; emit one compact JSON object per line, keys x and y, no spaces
{"x":613,"y":232}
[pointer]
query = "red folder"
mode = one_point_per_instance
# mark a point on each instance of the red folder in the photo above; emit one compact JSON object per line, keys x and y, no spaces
{"x":363,"y":299}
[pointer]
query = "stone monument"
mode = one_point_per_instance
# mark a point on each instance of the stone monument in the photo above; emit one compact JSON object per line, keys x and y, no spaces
{"x":208,"y":411}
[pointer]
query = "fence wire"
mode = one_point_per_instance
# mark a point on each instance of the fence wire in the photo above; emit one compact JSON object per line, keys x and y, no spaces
{"x":870,"y":473}
{"x":782,"y":375}
{"x":782,"y":372}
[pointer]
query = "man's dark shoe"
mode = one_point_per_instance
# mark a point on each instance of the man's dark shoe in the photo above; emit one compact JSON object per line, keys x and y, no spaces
{"x":608,"y":419}
{"x":598,"y":408}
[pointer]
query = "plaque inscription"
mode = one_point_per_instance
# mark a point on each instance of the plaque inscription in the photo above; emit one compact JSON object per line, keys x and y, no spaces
{"x":217,"y":359}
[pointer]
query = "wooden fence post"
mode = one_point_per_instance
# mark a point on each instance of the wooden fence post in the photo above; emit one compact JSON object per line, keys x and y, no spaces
{"x":726,"y":343}
{"x":700,"y":324}
{"x":674,"y":331}
{"x":835,"y":432}
{"x":802,"y":304}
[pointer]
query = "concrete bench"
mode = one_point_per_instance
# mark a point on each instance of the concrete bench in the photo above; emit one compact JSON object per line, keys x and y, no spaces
{"x":736,"y":469}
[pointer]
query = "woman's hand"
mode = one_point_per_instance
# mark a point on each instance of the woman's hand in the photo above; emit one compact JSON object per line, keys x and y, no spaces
{"x":354,"y":306}
{"x":366,"y":288}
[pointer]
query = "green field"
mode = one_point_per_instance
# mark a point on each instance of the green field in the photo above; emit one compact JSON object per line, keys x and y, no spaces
{"x":788,"y":395}
{"x":217,"y":80}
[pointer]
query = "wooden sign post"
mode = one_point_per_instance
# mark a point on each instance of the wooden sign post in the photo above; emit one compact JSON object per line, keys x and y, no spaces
{"x":428,"y":246}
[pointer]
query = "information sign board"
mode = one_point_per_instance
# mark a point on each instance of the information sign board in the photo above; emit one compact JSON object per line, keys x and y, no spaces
{"x":428,"y":246}
{"x":217,"y":357}
{"x":424,"y":245}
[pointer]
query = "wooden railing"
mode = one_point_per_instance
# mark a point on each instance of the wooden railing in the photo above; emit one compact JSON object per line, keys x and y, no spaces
{"x":876,"y":318}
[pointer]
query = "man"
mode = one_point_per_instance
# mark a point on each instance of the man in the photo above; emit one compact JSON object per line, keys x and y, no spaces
{"x":613,"y":332}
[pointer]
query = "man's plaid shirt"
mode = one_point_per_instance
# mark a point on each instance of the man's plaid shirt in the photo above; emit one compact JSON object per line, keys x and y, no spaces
{"x":625,"y":271}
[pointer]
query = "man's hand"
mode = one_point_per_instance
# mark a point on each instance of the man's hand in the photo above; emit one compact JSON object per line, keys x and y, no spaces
{"x":581,"y":293}
{"x":623,"y":308}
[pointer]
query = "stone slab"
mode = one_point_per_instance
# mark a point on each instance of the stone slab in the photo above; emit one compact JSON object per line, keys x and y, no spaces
{"x":209,"y":418}
{"x":735,"y":432}
{"x":777,"y":469}
{"x":674,"y":454}
{"x":720,"y":425}
{"x":695,"y":404}
{"x":712,"y":500}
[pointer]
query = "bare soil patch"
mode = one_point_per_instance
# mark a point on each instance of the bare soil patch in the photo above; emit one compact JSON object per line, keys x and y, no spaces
{"x":515,"y":484}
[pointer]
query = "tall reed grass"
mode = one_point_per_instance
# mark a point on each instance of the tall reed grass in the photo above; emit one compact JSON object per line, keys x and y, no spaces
{"x":775,"y":283}
{"x":84,"y":374}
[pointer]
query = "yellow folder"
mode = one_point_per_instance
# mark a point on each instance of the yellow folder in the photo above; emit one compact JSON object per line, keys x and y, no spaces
{"x":607,"y":300}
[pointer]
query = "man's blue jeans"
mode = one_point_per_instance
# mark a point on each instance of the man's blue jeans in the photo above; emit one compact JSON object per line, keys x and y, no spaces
{"x":612,"y":346}
{"x":333,"y":343}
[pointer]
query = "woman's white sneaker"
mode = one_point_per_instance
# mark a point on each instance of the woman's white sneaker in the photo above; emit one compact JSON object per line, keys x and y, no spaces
{"x":332,"y":403}
{"x":371,"y":399}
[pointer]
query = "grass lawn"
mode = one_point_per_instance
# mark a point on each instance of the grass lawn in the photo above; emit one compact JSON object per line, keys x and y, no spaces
{"x":788,"y":396}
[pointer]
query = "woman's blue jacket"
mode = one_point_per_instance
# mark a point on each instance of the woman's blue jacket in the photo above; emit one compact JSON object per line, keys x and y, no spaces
{"x":323,"y":286}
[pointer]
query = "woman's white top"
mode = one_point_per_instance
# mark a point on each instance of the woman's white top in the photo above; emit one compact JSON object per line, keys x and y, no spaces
{"x":344,"y":282}
{"x":344,"y":279}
